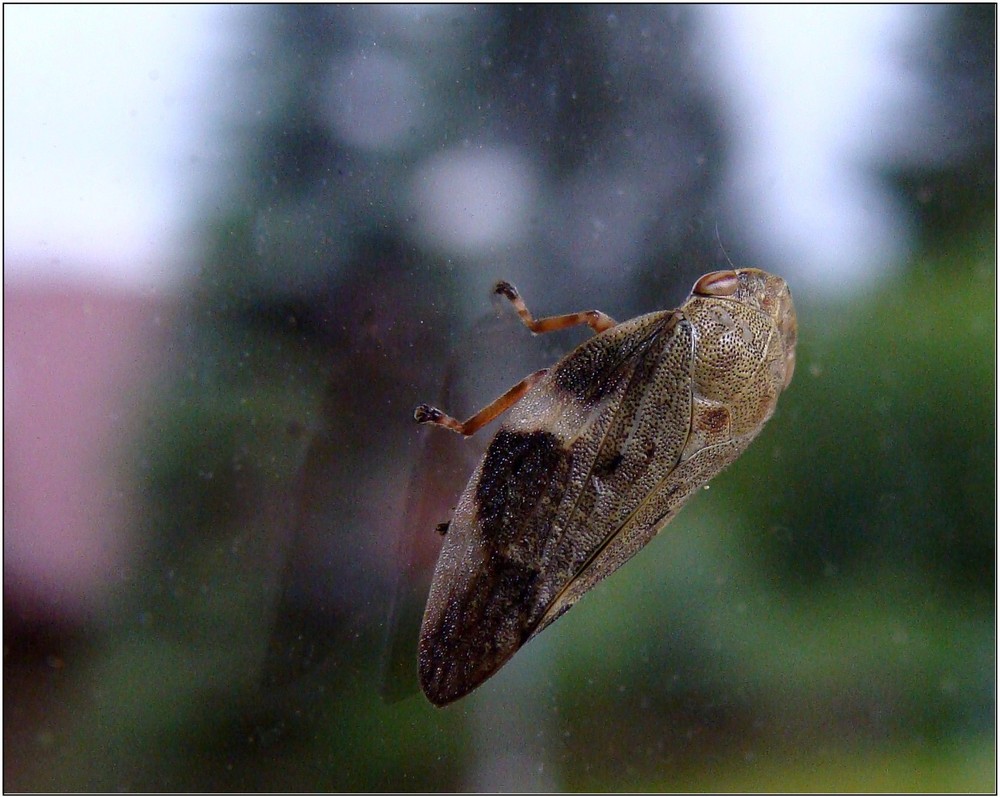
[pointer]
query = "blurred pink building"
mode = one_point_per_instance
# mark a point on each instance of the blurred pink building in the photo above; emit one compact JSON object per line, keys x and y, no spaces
{"x":78,"y":363}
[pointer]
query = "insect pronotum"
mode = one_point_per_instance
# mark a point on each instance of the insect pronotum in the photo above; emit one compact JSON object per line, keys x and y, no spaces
{"x":597,"y":454}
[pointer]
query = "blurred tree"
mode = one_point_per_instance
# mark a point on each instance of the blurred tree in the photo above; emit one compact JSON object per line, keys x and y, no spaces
{"x":953,"y":190}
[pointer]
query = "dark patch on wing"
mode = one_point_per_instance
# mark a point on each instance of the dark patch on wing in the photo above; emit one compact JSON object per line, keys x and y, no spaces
{"x":596,"y":367}
{"x":485,"y":621}
{"x":515,"y":473}
{"x":479,"y":631}
{"x":607,"y":464}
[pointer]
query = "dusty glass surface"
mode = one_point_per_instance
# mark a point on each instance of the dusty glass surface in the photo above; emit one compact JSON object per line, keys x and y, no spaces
{"x":219,"y":514}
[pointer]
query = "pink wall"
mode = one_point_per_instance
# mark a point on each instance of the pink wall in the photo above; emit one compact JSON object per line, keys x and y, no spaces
{"x":78,"y":362}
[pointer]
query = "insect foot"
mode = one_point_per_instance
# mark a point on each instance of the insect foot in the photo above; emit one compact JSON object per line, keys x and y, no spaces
{"x":504,"y":288}
{"x":427,"y":414}
{"x":595,"y":456}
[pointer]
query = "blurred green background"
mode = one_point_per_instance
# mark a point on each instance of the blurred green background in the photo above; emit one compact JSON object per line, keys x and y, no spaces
{"x":821,"y":618}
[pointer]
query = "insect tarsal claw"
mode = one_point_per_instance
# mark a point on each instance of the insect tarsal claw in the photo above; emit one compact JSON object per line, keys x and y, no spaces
{"x":504,"y":288}
{"x":424,"y":413}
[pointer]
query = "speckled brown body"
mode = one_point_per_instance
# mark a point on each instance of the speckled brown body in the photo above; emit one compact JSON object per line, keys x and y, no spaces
{"x":594,"y":460}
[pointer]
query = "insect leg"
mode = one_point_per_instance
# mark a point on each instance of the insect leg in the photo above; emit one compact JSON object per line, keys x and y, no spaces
{"x":427,"y":414}
{"x":595,"y":319}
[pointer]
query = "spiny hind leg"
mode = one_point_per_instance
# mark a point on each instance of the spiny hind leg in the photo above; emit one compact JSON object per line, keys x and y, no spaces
{"x":427,"y":414}
{"x":595,"y":319}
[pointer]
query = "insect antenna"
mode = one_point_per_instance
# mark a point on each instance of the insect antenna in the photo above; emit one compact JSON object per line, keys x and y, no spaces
{"x":723,"y":248}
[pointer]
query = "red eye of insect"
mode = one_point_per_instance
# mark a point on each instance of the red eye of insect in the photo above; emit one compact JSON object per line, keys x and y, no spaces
{"x":718,"y":283}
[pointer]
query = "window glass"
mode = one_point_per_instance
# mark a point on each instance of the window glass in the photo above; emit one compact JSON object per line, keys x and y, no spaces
{"x":242,"y":244}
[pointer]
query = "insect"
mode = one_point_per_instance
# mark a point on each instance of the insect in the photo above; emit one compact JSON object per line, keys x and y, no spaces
{"x":597,"y":454}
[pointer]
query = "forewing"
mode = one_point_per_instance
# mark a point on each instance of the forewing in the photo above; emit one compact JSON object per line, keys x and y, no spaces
{"x":525,"y":525}
{"x":621,"y":466}
{"x":654,"y":511}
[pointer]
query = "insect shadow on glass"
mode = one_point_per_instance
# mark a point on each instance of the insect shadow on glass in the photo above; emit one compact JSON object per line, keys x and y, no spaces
{"x":595,"y":455}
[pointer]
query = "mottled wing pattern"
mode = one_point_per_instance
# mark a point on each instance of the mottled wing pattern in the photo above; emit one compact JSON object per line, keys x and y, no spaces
{"x":575,"y":459}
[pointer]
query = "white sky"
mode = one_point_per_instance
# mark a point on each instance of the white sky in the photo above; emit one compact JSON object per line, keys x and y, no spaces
{"x":103,"y":153}
{"x":819,"y":94}
{"x":98,"y":110}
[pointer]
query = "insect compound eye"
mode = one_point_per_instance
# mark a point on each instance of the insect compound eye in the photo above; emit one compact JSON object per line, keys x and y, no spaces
{"x":718,"y":283}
